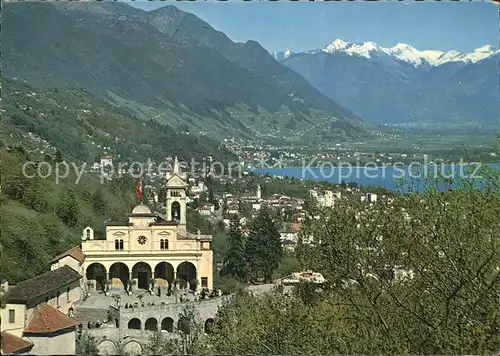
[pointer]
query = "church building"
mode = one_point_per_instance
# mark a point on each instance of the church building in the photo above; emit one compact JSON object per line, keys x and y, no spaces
{"x":150,"y":249}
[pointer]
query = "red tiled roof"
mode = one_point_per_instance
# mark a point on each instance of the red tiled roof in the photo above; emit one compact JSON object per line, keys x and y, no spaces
{"x":12,"y":343}
{"x":75,"y":252}
{"x":47,"y":319}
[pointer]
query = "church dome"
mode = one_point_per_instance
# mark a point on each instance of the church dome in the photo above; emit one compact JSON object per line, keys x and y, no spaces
{"x":141,"y":209}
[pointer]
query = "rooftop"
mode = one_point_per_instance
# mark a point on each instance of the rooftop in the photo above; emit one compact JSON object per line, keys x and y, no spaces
{"x":75,"y":252}
{"x":47,"y":319}
{"x":29,"y":290}
{"x":13,"y":344}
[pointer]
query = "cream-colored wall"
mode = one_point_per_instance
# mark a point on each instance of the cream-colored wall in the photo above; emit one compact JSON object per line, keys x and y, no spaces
{"x":63,"y":304}
{"x":19,"y":324}
{"x":130,"y":236}
{"x":206,"y":268}
{"x":60,"y":343}
{"x":70,"y":262}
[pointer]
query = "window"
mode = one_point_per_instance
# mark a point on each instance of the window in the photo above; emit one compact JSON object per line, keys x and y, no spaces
{"x":118,"y":244}
{"x":67,"y":294}
{"x":164,"y":244}
{"x":12,"y":316}
{"x":204,"y":282}
{"x":175,"y":194}
{"x":88,"y":234}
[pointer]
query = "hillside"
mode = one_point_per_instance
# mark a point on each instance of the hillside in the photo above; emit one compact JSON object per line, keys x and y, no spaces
{"x":79,"y":126}
{"x":41,"y":218}
{"x":402,"y":85}
{"x":145,"y":63}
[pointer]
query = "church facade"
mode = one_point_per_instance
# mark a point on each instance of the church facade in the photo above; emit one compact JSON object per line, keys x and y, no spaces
{"x":149,"y":250}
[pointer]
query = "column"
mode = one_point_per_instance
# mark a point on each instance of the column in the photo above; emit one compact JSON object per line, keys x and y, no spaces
{"x":107,"y":275}
{"x":198,"y":276}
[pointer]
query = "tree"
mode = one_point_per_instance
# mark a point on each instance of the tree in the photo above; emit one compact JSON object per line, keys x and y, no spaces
{"x":159,"y":344}
{"x":99,"y":204}
{"x":416,"y":275}
{"x":58,"y":157}
{"x":245,"y":209}
{"x":263,"y":248}
{"x":86,"y":345}
{"x":234,"y":260}
{"x":191,"y":331}
{"x":68,"y":208}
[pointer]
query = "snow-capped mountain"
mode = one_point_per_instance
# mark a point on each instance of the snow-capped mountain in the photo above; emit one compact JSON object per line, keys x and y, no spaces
{"x":402,"y":84}
{"x":401,"y":51}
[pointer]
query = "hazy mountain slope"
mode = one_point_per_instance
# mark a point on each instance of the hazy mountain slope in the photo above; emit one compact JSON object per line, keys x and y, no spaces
{"x":80,"y":125}
{"x":111,"y":50}
{"x":405,"y":85}
{"x":250,"y":55}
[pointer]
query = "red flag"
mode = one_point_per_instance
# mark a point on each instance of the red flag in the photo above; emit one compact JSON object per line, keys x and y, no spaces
{"x":138,"y":189}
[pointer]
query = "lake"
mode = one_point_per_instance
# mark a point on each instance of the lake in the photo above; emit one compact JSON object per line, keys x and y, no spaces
{"x":389,"y":177}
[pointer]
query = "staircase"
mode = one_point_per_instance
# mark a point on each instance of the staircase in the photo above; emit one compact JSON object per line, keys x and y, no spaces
{"x":85,"y":315}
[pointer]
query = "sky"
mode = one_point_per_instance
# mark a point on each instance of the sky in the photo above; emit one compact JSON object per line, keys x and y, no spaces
{"x":301,"y":26}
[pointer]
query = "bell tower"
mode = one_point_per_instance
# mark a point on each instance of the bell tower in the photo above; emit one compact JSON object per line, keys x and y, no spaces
{"x":176,"y":195}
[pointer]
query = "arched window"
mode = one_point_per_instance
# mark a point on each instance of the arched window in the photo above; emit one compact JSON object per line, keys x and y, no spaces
{"x":162,"y":244}
{"x":166,"y":244}
{"x":176,"y":211}
{"x":88,"y":234}
{"x":121,"y":244}
{"x":117,"y":245}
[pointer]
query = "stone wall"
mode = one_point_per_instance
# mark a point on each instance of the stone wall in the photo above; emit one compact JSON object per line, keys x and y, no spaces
{"x":207,"y":309}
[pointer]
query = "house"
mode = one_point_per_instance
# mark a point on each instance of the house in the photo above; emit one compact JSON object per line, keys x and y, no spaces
{"x":288,"y":245}
{"x":205,"y":210}
{"x":59,"y":288}
{"x":51,"y":331}
{"x":107,"y":161}
{"x":35,"y":319}
{"x":371,"y":197}
{"x":73,"y":258}
{"x":232,"y":210}
{"x":256,"y":206}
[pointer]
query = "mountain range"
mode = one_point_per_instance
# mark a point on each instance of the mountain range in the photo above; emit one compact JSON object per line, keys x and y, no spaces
{"x":402,"y":84}
{"x":168,"y":65}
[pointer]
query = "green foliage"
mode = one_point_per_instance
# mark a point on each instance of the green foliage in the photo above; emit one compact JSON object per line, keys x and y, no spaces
{"x":191,"y":331}
{"x":234,"y":260}
{"x":307,"y":292}
{"x":86,"y":345}
{"x":263,"y":248}
{"x":418,"y":275}
{"x":77,"y":126}
{"x":287,"y":266}
{"x":227,"y":284}
{"x":41,"y":218}
{"x":159,"y":344}
{"x":68,"y":209}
